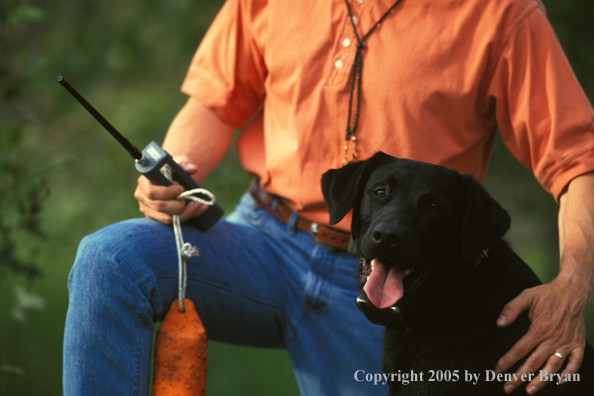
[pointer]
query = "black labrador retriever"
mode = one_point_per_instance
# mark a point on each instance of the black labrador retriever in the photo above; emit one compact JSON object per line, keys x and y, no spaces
{"x":436,"y":273}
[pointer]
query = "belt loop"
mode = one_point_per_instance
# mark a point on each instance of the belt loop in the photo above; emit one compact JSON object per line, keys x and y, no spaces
{"x":292,"y":222}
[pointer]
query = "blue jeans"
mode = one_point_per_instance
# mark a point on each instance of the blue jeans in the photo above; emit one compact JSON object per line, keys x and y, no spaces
{"x":257,"y":282}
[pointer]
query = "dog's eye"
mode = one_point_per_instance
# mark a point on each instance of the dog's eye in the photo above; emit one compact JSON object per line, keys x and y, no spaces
{"x":428,"y":203}
{"x":380,"y":192}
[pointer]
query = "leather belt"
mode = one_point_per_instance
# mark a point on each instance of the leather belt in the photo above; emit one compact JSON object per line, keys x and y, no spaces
{"x":276,"y":207}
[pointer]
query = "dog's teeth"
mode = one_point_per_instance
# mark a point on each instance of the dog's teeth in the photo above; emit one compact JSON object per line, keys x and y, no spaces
{"x":407,"y":272}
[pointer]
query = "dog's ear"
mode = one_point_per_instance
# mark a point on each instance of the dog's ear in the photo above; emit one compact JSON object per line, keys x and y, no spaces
{"x":342,"y":187}
{"x":484,"y":220}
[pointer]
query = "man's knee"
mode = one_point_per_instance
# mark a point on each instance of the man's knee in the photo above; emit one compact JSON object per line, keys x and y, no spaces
{"x":119,"y":248}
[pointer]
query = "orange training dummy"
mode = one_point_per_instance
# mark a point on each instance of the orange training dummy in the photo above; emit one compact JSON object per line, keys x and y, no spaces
{"x":180,"y":353}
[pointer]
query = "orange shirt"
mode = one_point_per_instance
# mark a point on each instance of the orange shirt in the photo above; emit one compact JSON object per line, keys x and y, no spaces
{"x":439,"y":79}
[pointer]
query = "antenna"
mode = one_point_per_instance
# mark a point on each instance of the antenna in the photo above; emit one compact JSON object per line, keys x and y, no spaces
{"x":130,"y":148}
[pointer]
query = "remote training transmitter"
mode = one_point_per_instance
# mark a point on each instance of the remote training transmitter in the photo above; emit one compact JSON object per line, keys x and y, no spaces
{"x":154,"y":163}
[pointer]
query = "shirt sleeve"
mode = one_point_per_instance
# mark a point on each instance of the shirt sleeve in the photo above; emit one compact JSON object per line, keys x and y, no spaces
{"x":543,"y":115}
{"x":228,"y":71}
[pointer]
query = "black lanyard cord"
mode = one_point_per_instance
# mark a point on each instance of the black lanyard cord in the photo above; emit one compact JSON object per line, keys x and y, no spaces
{"x":356,"y":70}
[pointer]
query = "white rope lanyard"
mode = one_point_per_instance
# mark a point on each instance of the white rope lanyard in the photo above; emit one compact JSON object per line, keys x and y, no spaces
{"x":184,"y":249}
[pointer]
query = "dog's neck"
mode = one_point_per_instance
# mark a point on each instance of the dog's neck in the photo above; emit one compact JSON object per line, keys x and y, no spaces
{"x":417,"y":314}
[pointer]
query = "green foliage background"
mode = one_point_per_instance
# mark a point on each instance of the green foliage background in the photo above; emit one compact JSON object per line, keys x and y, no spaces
{"x":62,"y":176}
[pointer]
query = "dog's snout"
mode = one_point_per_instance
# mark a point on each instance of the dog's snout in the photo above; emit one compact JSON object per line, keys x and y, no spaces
{"x":386,"y":235}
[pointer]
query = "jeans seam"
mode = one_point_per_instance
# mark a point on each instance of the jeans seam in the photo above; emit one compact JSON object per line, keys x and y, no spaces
{"x":320,"y":281}
{"x":139,"y":351}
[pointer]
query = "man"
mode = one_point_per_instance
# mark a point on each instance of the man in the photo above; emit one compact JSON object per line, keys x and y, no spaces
{"x":432,"y":81}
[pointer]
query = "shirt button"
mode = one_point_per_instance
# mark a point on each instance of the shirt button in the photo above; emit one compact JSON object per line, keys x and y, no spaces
{"x":346,"y":42}
{"x":360,"y":1}
{"x":338,"y":64}
{"x":355,"y":20}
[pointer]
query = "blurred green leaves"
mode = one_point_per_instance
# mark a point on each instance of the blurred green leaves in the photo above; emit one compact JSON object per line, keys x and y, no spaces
{"x":16,"y":12}
{"x":20,"y":206}
{"x":21,"y":191}
{"x":9,"y":369}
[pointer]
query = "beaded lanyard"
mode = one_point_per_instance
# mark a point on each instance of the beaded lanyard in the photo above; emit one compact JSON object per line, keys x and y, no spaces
{"x":355,"y":79}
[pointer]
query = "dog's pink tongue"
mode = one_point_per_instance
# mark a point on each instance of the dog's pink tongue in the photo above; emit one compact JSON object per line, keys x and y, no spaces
{"x":384,"y":288}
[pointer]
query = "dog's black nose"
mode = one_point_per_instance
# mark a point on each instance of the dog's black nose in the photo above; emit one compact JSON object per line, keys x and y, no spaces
{"x":386,"y":235}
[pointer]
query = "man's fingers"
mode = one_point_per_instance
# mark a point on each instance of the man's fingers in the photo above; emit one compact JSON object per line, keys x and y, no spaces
{"x":555,"y":328}
{"x":524,"y":345}
{"x":552,"y":364}
{"x":186,"y":163}
{"x":573,"y":365}
{"x":153,"y":192}
{"x":517,"y":352}
{"x":538,"y":332}
{"x":160,"y":203}
{"x":160,"y":217}
{"x":542,"y":359}
{"x":514,"y":308}
{"x":169,"y":207}
{"x":189,"y":167}
{"x":192,"y":209}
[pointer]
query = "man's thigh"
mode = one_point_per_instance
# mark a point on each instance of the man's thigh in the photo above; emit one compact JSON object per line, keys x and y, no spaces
{"x":236,"y":281}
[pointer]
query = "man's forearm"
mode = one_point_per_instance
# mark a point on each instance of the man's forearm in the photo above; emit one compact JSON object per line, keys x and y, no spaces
{"x":198,"y":134}
{"x":576,"y":233}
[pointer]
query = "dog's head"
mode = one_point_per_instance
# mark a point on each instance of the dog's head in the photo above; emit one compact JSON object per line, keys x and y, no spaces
{"x":418,"y":228}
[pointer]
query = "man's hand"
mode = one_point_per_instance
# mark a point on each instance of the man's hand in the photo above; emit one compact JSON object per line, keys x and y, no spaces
{"x":197,"y":139}
{"x":159,"y":203}
{"x":557,"y":311}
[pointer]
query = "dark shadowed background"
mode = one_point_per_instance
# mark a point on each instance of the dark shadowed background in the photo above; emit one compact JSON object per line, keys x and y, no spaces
{"x":62,"y":176}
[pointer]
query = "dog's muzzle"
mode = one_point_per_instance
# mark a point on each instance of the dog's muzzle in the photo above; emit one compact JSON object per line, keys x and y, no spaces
{"x":389,"y":317}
